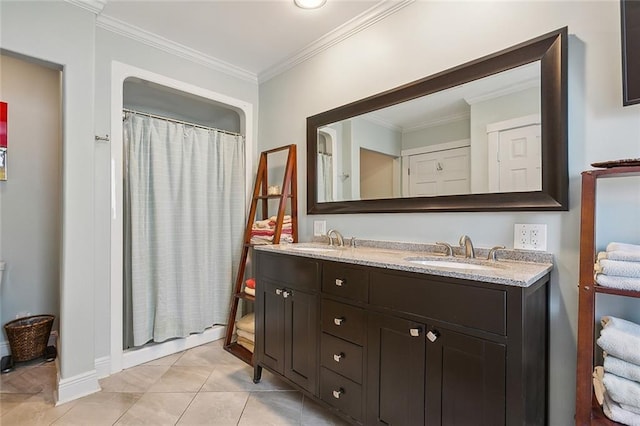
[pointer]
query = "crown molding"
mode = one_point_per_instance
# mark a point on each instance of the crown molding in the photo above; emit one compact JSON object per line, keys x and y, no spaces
{"x":94,"y":6}
{"x":503,"y":91}
{"x":343,"y":32}
{"x":438,"y":122}
{"x":166,"y":45}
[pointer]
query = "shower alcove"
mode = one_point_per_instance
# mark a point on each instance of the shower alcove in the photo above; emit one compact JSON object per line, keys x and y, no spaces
{"x":145,"y":92}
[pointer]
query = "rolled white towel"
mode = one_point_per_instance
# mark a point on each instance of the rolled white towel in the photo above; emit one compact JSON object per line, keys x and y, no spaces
{"x":608,"y":321}
{"x":624,"y":255}
{"x":614,"y":246}
{"x":618,"y":268}
{"x":621,"y":390}
{"x":612,"y":281}
{"x":615,"y":412}
{"x":621,"y":368}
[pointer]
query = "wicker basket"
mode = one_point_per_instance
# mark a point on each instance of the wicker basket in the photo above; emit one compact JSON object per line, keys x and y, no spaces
{"x":28,"y":336}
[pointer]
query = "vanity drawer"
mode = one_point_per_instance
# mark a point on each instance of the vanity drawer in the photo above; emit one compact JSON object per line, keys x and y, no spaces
{"x":346,"y":281}
{"x":347,"y":322}
{"x":467,"y":305}
{"x":341,"y":393}
{"x":342,"y":357}
{"x":290,"y":271}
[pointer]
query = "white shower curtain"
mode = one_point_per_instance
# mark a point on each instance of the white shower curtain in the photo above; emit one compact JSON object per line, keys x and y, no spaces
{"x":184,"y":220}
{"x":325,"y":177}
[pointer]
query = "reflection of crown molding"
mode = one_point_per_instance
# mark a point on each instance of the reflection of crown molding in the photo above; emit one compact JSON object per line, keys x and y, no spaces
{"x":438,"y":122}
{"x":343,"y":32}
{"x":514,"y":88}
{"x":94,"y":6}
{"x":375,"y":120}
{"x":166,"y":45}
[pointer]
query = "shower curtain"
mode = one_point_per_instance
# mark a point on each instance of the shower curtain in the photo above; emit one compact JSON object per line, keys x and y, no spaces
{"x":184,"y":220}
{"x":325,"y":177}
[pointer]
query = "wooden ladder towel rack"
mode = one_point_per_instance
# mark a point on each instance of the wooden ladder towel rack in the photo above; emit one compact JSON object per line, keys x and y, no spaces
{"x":289,"y":193}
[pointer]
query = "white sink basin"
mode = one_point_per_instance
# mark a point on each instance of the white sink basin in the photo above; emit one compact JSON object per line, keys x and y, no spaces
{"x":447,"y":264}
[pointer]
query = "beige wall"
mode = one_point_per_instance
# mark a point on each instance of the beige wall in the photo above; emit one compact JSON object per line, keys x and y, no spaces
{"x":376,"y":175}
{"x":30,"y":198}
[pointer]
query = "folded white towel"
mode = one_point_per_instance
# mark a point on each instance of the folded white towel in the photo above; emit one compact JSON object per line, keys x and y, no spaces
{"x":621,"y":368}
{"x":625,"y":255}
{"x":621,"y":390}
{"x":618,"y":268}
{"x":615,"y":412}
{"x":620,"y":343}
{"x":613,"y":246}
{"x":598,"y":386}
{"x":608,"y":321}
{"x":247,"y":323}
{"x":612,"y":281}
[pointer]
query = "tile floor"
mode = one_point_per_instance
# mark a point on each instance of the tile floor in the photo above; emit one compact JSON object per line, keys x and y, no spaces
{"x":202,"y":386}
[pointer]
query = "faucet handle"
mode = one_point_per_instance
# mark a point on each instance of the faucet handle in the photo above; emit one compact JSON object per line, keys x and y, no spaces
{"x":492,"y":252}
{"x":447,"y":247}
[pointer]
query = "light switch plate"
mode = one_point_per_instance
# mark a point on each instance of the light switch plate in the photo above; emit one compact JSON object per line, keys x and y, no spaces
{"x":319,"y":228}
{"x":530,"y":236}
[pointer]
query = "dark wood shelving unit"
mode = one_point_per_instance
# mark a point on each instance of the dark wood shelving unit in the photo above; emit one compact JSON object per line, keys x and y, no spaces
{"x":588,"y":412}
{"x":260,"y":196}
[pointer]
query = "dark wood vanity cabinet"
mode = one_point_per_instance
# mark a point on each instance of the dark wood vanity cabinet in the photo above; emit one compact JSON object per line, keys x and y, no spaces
{"x":402,"y":348}
{"x":287,"y":318}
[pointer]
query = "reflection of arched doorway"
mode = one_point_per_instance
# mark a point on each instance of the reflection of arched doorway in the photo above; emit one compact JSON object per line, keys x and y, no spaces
{"x":327,"y":164}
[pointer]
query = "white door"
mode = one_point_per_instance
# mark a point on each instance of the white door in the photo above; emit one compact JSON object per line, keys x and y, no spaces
{"x":519,"y":159}
{"x":439,"y":173}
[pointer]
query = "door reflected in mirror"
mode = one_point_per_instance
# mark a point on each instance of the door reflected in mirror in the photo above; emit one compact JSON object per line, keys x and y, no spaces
{"x":475,"y":138}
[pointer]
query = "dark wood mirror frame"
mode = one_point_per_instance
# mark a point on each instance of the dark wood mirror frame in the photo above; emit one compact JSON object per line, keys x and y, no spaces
{"x":551,"y":50}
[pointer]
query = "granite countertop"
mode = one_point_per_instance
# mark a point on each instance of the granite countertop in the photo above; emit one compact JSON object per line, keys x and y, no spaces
{"x":514,"y":267}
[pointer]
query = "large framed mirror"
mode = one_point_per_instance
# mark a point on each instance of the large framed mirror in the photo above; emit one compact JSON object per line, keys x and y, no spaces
{"x":488,"y":135}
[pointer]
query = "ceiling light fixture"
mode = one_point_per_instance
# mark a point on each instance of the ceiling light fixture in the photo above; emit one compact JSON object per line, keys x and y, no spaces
{"x":309,"y":4}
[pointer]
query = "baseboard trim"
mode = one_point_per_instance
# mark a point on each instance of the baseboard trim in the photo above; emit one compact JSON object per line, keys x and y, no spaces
{"x":103,"y":367}
{"x":76,"y":387}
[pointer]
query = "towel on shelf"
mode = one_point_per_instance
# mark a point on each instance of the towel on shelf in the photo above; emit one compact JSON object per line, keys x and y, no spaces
{"x":250,"y":291}
{"x":614,"y":246}
{"x":285,"y":219}
{"x":618,"y":268}
{"x":615,"y":412}
{"x":246,"y":344}
{"x":621,"y":390}
{"x":621,"y":368}
{"x":598,"y":386}
{"x":623,"y":255}
{"x":247,"y":323}
{"x":246,"y":335}
{"x":623,"y":283}
{"x":620,"y":338}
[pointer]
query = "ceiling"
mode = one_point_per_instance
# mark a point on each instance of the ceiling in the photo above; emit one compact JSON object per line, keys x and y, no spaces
{"x":259,"y":38}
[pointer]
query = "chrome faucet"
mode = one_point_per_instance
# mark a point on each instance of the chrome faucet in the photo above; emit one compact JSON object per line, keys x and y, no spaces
{"x":465,"y":242}
{"x":338,"y":235}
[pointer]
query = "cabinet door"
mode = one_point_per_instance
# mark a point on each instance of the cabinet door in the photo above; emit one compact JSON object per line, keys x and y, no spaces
{"x":270,"y":310}
{"x":301,"y":338}
{"x":395,"y":371}
{"x":465,"y":380}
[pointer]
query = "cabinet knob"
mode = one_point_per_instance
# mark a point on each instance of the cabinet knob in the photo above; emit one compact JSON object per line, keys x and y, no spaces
{"x":433,"y":335}
{"x":286,"y":293}
{"x":338,"y":393}
{"x":338,"y":321}
{"x":278,"y":291}
{"x":414,"y":332}
{"x":339,"y":282}
{"x":338,"y":357}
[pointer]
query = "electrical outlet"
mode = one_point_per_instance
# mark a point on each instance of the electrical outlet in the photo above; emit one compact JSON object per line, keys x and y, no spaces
{"x":319,"y":228}
{"x":530,"y":236}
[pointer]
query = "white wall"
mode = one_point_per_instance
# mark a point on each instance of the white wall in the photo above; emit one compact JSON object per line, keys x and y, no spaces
{"x":31,"y":198}
{"x":428,"y":37}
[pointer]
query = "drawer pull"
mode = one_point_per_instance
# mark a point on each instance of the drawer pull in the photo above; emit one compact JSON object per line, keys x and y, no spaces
{"x":338,"y":321}
{"x":338,"y":357}
{"x":433,"y":336}
{"x":338,"y":393}
{"x":339,"y":282}
{"x":278,"y":291}
{"x":414,"y":332}
{"x":287,"y":293}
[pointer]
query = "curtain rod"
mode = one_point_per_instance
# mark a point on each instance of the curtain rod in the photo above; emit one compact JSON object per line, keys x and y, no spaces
{"x":173,"y":120}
